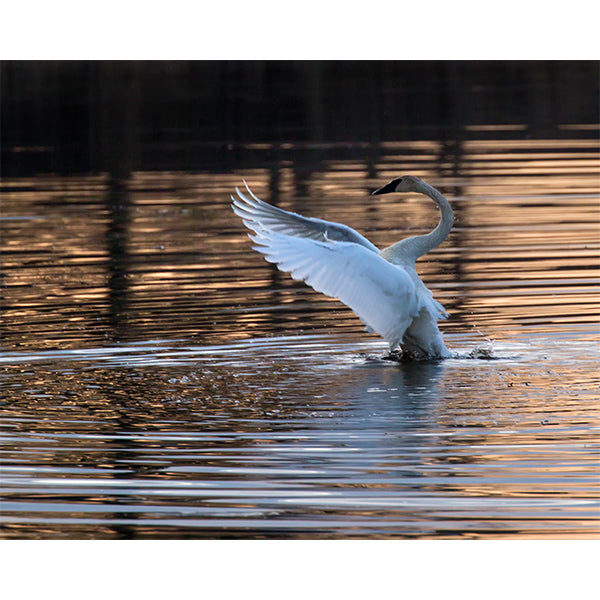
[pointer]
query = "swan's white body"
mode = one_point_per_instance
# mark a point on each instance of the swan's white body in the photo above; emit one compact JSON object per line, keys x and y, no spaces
{"x":381,"y":287}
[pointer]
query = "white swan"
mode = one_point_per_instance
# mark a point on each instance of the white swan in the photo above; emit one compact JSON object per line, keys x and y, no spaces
{"x":381,"y":286}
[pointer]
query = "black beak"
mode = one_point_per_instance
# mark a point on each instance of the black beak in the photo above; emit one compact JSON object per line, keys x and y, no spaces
{"x":386,"y":189}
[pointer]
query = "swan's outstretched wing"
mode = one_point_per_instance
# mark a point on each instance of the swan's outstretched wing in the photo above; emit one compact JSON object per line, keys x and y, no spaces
{"x":381,"y":294}
{"x":258,"y":214}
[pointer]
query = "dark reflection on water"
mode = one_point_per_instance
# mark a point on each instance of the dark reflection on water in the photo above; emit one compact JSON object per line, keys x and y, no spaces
{"x":159,"y":379}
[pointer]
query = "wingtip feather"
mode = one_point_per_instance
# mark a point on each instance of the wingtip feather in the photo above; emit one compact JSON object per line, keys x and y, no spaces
{"x":251,"y":192}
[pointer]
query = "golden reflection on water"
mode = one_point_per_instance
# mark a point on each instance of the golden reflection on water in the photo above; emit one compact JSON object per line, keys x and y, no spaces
{"x":144,"y":373}
{"x":85,"y":265}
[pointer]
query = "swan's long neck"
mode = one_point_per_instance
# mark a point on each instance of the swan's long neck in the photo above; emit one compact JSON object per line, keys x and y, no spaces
{"x":422,"y":244}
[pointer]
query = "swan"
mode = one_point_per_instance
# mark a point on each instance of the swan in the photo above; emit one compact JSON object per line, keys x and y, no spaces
{"x":382,"y":287}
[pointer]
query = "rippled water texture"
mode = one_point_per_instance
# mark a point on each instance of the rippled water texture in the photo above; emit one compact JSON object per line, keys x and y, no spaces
{"x":161,"y":380}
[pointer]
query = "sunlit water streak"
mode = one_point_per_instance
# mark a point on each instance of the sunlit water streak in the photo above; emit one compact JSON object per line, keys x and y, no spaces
{"x":161,"y":380}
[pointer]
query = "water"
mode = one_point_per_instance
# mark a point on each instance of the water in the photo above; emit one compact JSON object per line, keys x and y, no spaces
{"x":161,"y":380}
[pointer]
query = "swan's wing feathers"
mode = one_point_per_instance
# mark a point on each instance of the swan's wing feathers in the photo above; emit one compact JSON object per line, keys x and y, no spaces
{"x":426,"y":300}
{"x":442,"y":314}
{"x":381,"y":294}
{"x":258,"y":215}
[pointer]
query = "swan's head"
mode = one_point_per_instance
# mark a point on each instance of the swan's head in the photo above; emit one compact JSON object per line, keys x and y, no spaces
{"x":406,"y":183}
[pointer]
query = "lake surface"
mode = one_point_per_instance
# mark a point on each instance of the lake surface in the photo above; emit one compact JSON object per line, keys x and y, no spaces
{"x":160,"y":380}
